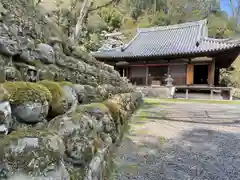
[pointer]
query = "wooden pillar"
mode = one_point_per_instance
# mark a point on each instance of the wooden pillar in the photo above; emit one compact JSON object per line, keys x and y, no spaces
{"x":211,"y":73}
{"x":186,"y":94}
{"x":169,"y":64}
{"x":147,"y":72}
{"x":190,"y":72}
{"x":211,"y":94}
{"x":231,"y":94}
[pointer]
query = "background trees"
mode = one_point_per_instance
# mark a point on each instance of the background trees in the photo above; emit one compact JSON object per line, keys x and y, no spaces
{"x":85,"y":20}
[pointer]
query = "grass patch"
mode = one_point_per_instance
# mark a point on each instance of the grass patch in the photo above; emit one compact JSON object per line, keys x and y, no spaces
{"x":158,"y":101}
{"x":162,"y":140}
{"x":142,"y":115}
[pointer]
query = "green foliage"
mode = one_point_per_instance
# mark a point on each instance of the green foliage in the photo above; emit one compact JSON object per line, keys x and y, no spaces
{"x":162,"y":13}
{"x":112,"y":17}
{"x":219,"y":26}
{"x":96,"y":24}
{"x":160,"y":19}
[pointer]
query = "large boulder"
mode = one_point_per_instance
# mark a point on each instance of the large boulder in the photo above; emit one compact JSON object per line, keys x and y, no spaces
{"x":46,"y":53}
{"x":81,"y":93}
{"x":79,"y":137}
{"x":69,"y":93}
{"x":8,"y":47}
{"x":102,"y":119}
{"x":5,"y":117}
{"x":29,"y":101}
{"x":92,"y":94}
{"x":31,"y":112}
{"x":33,"y":155}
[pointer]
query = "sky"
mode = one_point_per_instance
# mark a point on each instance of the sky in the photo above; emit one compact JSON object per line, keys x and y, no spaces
{"x":226,"y":6}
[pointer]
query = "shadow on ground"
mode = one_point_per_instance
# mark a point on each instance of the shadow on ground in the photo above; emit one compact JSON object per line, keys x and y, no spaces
{"x":197,"y":154}
{"x":210,"y":150}
{"x":164,"y":118}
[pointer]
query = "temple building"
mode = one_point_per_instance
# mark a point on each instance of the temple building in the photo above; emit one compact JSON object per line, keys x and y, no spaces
{"x":183,"y":50}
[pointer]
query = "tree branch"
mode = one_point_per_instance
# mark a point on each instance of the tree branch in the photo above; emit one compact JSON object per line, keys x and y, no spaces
{"x":233,"y":8}
{"x":104,"y":5}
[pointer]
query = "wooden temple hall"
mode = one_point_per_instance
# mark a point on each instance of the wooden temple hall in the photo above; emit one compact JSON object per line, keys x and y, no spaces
{"x":183,"y":50}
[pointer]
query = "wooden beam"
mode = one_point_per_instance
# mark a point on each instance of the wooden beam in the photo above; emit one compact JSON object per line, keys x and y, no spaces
{"x":149,"y":65}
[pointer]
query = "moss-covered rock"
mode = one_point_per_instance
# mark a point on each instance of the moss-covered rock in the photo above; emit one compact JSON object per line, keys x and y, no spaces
{"x":91,"y":93}
{"x":21,"y":92}
{"x":32,"y":154}
{"x":29,"y":101}
{"x":59,"y":103}
{"x":117,"y":112}
{"x":80,"y":137}
{"x":102,"y":118}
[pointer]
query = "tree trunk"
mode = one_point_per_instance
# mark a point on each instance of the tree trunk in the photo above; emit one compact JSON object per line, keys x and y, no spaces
{"x":238,"y":12}
{"x":79,"y":26}
{"x":233,"y":8}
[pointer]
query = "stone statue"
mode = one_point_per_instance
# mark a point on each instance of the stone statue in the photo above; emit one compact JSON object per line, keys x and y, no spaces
{"x":10,"y":73}
{"x":171,"y":89}
{"x":2,"y":74}
{"x":31,"y":74}
{"x":169,"y":81}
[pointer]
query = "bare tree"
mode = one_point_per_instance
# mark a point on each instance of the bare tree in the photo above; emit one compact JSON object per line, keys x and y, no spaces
{"x":87,"y":8}
{"x":233,"y":8}
{"x":80,"y":21}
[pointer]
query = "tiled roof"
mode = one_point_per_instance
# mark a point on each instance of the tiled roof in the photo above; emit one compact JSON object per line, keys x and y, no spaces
{"x":179,"y":39}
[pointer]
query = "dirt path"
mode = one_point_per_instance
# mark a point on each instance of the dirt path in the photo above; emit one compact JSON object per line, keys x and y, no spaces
{"x":181,"y":141}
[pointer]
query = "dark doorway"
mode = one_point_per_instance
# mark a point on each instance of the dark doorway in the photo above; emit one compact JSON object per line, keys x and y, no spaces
{"x":120,"y":70}
{"x":201,"y":74}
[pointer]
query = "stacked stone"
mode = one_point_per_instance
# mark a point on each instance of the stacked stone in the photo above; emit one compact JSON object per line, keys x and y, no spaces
{"x":61,"y":111}
{"x":31,"y":49}
{"x":75,"y":145}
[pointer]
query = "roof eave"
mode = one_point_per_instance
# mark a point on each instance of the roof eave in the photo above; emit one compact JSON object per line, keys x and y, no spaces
{"x":169,"y":56}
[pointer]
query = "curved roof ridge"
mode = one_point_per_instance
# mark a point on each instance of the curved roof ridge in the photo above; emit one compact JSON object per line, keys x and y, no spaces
{"x":127,"y":45}
{"x":174,"y":26}
{"x":226,"y":40}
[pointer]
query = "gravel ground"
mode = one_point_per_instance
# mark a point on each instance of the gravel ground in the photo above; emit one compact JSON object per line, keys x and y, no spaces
{"x":181,"y":141}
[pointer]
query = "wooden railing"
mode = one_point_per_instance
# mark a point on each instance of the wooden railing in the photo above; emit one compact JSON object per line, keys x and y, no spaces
{"x":204,"y":88}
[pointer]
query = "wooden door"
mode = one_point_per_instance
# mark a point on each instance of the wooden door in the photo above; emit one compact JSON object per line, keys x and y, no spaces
{"x":178,"y":73}
{"x":190,"y":71}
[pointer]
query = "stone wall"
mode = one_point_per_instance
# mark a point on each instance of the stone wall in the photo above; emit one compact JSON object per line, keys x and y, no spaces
{"x":76,"y":145}
{"x":61,"y":111}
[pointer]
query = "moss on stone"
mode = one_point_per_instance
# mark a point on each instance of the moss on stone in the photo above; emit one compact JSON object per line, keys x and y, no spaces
{"x":19,"y":92}
{"x":43,"y":154}
{"x":37,"y":64}
{"x":76,"y":173}
{"x":58,"y":104}
{"x":54,"y":88}
{"x":114,"y":108}
{"x":65,"y":83}
{"x":100,"y":106}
